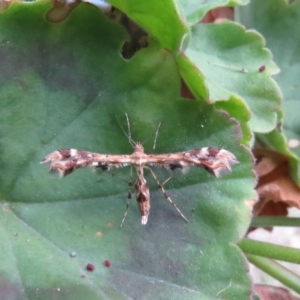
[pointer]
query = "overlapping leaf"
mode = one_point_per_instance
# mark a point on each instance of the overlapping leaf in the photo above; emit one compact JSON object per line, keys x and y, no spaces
{"x":278,"y":21}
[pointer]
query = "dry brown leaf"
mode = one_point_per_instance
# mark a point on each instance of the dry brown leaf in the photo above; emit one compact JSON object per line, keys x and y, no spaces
{"x":217,"y":15}
{"x":266,"y":292}
{"x":60,"y":10}
{"x":270,"y":208}
{"x":4,"y":5}
{"x":274,"y":184}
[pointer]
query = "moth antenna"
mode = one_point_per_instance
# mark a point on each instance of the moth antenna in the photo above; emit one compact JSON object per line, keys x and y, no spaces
{"x":156,"y":135}
{"x":128,"y":126}
{"x":143,"y":142}
{"x":131,"y":141}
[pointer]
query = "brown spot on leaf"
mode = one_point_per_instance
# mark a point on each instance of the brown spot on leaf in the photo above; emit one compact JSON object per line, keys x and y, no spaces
{"x":262,"y":68}
{"x":107,"y":263}
{"x":99,"y":233}
{"x":110,"y":224}
{"x":90,"y":267}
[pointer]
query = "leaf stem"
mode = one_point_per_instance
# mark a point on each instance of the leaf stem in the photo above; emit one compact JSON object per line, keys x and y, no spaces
{"x":269,"y":250}
{"x":277,"y":271}
{"x":274,"y":221}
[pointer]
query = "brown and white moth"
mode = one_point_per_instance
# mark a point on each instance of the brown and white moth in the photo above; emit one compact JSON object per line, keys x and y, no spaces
{"x":214,"y":160}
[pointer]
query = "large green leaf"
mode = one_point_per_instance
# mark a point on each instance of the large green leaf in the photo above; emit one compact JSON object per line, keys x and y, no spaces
{"x":66,"y":85}
{"x":279,"y":21}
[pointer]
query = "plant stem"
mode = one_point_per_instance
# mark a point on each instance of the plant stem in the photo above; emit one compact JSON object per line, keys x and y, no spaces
{"x":269,"y":250}
{"x":274,"y":221}
{"x":277,"y":271}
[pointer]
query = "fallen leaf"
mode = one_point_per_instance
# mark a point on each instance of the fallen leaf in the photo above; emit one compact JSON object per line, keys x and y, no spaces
{"x":266,"y":292}
{"x":274,"y":184}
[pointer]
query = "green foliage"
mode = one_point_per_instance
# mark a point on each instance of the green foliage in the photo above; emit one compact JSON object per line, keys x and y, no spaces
{"x":66,"y":85}
{"x":279,"y":21}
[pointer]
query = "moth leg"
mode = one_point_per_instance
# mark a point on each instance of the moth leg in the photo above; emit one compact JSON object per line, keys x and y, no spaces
{"x":127,"y":206}
{"x":129,"y":197}
{"x":167,"y":196}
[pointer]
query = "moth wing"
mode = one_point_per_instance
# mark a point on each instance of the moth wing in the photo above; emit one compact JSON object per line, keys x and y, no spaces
{"x":65,"y":161}
{"x":214,"y":160}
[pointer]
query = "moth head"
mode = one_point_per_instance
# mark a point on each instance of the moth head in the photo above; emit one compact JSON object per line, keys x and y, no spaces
{"x":138,"y":148}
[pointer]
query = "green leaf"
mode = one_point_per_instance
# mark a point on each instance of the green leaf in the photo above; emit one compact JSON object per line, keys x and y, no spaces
{"x":217,"y":51}
{"x":237,"y":109}
{"x":279,"y":21}
{"x":229,"y":59}
{"x":277,"y":271}
{"x":66,"y":86}
{"x":275,"y":221}
{"x":161,"y":19}
{"x":269,"y":250}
